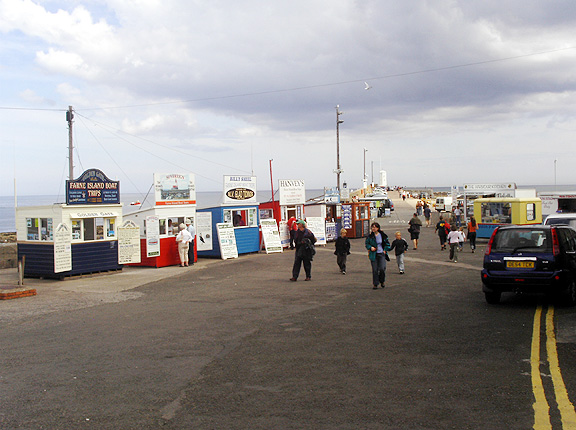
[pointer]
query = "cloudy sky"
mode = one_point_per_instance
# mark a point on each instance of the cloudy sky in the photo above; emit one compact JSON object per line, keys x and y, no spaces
{"x":461,"y":91}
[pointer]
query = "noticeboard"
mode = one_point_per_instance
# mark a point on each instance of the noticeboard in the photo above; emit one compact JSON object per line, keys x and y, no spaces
{"x":227,"y":240}
{"x":129,"y":243}
{"x":271,"y":236}
{"x":152,"y":236}
{"x":317,"y":225}
{"x":62,"y":248}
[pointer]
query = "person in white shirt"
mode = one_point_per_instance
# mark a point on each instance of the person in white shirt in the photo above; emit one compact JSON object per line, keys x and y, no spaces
{"x":192,"y":232}
{"x":183,"y":239}
{"x":454,"y":242}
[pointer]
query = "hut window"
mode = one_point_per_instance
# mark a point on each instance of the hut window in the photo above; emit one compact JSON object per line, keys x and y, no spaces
{"x":39,"y":229}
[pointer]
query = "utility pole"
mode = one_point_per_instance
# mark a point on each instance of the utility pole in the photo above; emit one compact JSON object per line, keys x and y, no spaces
{"x":69,"y":118}
{"x":338,"y":122}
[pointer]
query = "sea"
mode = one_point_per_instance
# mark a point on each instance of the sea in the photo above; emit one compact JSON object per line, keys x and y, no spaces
{"x":203,"y":199}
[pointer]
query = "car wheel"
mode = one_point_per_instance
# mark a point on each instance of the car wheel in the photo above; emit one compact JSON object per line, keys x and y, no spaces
{"x":569,"y":296}
{"x":493,"y":298}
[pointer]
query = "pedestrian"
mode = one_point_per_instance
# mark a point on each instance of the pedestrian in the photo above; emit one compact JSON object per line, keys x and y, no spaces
{"x":472,"y":228}
{"x":342,"y":250}
{"x":304,"y":241}
{"x":442,"y":231}
{"x":192,"y":232}
{"x":462,"y":238}
{"x":454,"y":243}
{"x":457,"y":214}
{"x":427,"y":213}
{"x":378,"y":245}
{"x":292,"y":228}
{"x":183,"y":239}
{"x":414,"y":229}
{"x":400,"y":246}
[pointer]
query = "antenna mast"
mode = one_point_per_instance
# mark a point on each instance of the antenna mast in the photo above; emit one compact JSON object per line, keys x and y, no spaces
{"x":69,"y":118}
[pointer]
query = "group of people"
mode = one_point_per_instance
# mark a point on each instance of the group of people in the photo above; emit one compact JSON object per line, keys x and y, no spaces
{"x":454,"y":236}
{"x":185,"y":240}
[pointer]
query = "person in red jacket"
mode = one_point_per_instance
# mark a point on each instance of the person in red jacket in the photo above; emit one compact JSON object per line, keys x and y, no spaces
{"x":293,"y":228}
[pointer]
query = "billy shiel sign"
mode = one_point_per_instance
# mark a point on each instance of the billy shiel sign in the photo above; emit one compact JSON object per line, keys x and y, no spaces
{"x":239,"y":190}
{"x":174,"y":189}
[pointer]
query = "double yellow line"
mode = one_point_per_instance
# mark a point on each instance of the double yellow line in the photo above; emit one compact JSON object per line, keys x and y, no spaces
{"x":541,"y":407}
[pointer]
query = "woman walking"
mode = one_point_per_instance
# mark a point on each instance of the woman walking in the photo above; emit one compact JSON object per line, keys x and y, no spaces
{"x":377,"y":244}
{"x":414,"y":230}
{"x":472,"y":227}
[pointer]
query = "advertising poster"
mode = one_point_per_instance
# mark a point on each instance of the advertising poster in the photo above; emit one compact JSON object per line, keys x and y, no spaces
{"x":239,"y":190}
{"x":317,"y":225}
{"x":292,"y":192}
{"x":62,"y":248}
{"x":271,"y":236}
{"x":174,"y":189}
{"x":227,"y":240}
{"x":152,"y":236}
{"x":347,"y":216}
{"x":284,"y":234}
{"x":204,"y":231}
{"x":92,"y":188}
{"x":129,"y":243}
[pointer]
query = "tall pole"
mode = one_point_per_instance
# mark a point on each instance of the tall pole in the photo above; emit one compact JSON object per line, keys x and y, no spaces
{"x":338,"y":122}
{"x":69,"y":118}
{"x":364,"y":178}
{"x":272,"y":188}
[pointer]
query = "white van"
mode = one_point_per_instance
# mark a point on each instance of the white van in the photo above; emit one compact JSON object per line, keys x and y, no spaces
{"x":443,"y":204}
{"x":568,"y":219}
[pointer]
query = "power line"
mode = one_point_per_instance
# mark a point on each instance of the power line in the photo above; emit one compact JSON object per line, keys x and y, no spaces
{"x":307,"y":87}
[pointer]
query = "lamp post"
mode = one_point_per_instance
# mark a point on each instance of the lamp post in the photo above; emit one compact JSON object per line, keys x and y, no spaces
{"x":364,"y":182}
{"x":338,"y":122}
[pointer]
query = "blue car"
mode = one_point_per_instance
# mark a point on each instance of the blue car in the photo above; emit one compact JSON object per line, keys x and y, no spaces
{"x":531,"y":259}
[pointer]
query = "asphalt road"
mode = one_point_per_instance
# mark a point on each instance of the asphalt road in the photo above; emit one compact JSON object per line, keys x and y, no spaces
{"x":234,"y":345}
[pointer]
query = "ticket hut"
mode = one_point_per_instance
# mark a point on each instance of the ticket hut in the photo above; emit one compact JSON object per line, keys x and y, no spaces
{"x":239,"y":209}
{"x":174,"y":203}
{"x":76,"y":237}
{"x":356,"y":219}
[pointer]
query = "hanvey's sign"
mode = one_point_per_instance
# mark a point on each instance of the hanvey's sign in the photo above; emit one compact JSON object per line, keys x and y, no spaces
{"x":92,"y":188}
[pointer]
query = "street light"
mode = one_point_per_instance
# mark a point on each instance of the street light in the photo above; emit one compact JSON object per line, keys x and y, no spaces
{"x":338,"y":122}
{"x":364,"y":179}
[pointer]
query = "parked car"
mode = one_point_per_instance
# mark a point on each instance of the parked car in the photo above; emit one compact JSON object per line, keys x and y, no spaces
{"x":531,"y":259}
{"x":561,"y":219}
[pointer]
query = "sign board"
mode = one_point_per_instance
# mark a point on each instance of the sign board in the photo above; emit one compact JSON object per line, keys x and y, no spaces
{"x":92,"y":188}
{"x":204,"y":231}
{"x":174,"y":189}
{"x":152,"y":236}
{"x":292,"y":192}
{"x":317,"y":225}
{"x":284,"y":234}
{"x":482,"y":189}
{"x":271,"y":236}
{"x":345,"y":193}
{"x":227,"y":240}
{"x":331,"y":195}
{"x":347,"y":216}
{"x":331,"y":233}
{"x":62,"y":248}
{"x":239,"y":190}
{"x":129,"y":243}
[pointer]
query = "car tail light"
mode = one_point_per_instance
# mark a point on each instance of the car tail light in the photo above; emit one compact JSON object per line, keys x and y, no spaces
{"x":555,"y":243}
{"x":489,"y":247}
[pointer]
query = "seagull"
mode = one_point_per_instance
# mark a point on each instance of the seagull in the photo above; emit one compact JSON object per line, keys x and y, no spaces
{"x":367,"y":86}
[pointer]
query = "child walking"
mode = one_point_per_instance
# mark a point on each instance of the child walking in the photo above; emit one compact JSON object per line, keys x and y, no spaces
{"x":342,"y":250}
{"x":400,"y":246}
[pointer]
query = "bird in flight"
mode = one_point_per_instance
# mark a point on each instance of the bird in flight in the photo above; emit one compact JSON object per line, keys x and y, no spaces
{"x":367,"y":87}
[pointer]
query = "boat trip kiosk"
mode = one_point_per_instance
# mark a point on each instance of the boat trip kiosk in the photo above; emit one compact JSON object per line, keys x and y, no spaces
{"x":174,"y":204}
{"x":239,"y":211}
{"x":502,"y":211}
{"x":78,"y":237}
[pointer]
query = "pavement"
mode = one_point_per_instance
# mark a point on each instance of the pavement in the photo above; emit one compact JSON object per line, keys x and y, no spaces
{"x":233,"y":344}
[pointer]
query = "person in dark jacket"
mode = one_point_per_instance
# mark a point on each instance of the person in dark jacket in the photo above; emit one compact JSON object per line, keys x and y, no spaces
{"x":377,"y":244}
{"x":342,"y":250}
{"x":415,"y":225}
{"x":304,"y":241}
{"x":400,"y":246}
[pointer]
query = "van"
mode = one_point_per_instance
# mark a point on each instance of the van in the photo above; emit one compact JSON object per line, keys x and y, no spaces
{"x":443,"y":204}
{"x":568,"y":219}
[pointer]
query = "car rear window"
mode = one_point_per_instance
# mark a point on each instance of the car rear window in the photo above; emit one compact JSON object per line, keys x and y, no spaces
{"x":513,"y":240}
{"x":561,"y":221}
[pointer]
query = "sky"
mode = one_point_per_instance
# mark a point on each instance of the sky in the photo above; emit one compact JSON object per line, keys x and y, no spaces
{"x":458,"y":92}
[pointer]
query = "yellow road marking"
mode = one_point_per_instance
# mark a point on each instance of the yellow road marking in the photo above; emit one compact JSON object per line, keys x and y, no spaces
{"x":540,"y":406}
{"x":565,"y":407}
